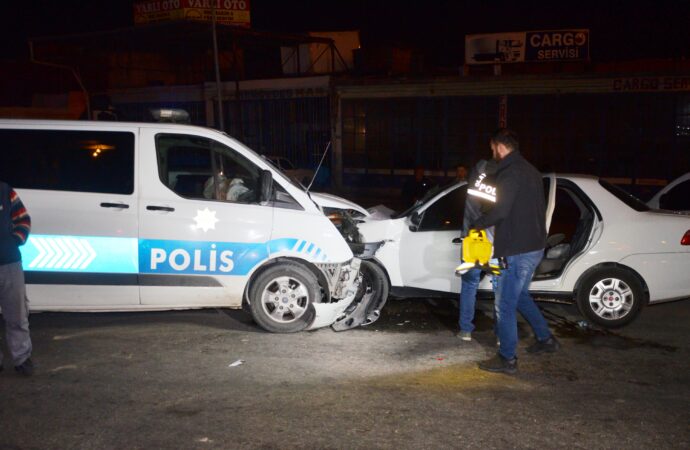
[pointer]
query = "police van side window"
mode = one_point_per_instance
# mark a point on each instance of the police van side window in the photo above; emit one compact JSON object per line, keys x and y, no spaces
{"x":200,"y":168}
{"x":67,"y":160}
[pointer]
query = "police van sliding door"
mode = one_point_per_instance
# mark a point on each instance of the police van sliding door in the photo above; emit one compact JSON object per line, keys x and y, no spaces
{"x":201,"y":227}
{"x":77,"y":183}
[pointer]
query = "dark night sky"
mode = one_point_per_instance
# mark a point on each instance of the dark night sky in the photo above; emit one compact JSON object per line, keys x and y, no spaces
{"x":620,"y":30}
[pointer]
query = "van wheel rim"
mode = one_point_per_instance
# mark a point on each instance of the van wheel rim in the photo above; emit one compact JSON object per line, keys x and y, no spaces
{"x":285,"y":299}
{"x":611,"y":299}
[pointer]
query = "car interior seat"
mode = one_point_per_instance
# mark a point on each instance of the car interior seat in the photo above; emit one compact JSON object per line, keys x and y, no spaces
{"x":582,"y":231}
{"x":555,"y":256}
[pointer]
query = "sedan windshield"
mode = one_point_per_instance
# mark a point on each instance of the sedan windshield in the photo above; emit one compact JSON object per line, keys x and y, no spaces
{"x":431,"y":193}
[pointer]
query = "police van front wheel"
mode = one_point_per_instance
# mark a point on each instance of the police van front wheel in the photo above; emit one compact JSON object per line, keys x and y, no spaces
{"x":282,"y":298}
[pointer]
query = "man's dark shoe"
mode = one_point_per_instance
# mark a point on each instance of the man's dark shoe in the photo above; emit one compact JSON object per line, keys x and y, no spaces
{"x":26,"y":368}
{"x":550,"y":345}
{"x":499,"y":364}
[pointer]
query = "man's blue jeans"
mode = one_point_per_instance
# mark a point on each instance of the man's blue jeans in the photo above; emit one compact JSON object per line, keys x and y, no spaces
{"x":512,"y":295}
{"x":468,"y":297}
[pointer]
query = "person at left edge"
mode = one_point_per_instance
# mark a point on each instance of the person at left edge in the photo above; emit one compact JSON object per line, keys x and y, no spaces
{"x":15,"y":225}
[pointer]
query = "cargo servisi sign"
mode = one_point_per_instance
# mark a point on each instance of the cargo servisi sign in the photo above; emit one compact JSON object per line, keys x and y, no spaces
{"x":527,"y":46}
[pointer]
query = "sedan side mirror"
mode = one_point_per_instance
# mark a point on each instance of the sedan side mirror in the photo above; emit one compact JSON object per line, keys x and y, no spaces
{"x":415,"y":221}
{"x":266,"y":185}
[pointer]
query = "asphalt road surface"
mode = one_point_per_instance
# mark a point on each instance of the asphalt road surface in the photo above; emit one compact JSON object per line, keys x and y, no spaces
{"x":167,"y":380}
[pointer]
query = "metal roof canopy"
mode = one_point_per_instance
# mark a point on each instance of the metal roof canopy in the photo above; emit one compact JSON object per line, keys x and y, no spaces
{"x":172,"y":38}
{"x":74,"y":50}
{"x":195,"y":35}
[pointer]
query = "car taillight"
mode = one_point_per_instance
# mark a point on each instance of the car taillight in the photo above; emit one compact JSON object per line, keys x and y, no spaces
{"x":686,"y":238}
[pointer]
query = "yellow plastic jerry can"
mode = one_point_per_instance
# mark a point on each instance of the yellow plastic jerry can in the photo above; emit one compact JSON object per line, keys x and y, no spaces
{"x":477,"y":250}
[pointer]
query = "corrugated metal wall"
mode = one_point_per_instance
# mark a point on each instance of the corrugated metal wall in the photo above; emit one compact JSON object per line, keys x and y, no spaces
{"x":286,"y":117}
{"x":384,"y":139}
{"x":628,"y":136}
{"x":297,"y":128}
{"x":565,"y":124}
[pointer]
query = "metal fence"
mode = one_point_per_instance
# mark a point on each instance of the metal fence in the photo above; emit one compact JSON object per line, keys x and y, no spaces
{"x":625,"y":136}
{"x":296,"y":128}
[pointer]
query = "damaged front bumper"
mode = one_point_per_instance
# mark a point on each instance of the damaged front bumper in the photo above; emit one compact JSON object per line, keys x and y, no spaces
{"x":369,"y":301}
{"x":363,"y":302}
{"x":343,"y":283}
{"x":353,"y":302}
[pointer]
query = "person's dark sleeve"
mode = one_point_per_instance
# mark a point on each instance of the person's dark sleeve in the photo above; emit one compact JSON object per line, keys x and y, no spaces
{"x":506,"y":192}
{"x":21,"y":222}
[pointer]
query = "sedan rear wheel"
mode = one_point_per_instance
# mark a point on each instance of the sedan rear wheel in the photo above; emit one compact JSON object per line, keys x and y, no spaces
{"x":610,"y":297}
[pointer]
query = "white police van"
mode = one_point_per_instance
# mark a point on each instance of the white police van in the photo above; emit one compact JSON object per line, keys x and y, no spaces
{"x":133,"y":216}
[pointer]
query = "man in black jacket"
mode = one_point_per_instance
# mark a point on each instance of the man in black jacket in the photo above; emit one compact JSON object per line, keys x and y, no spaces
{"x":520,"y":237}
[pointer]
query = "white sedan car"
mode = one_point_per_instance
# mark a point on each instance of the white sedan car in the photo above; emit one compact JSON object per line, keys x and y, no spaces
{"x":607,"y":251}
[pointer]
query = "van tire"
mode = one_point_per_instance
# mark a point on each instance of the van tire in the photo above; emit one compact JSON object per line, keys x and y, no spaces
{"x":282,"y":297}
{"x":610,"y":297}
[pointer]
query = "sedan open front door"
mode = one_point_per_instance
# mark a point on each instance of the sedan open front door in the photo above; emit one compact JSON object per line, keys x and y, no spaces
{"x":428,"y":256}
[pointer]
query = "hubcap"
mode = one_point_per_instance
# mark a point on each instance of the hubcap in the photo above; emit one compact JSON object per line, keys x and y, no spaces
{"x":285,"y":299}
{"x":611,"y":298}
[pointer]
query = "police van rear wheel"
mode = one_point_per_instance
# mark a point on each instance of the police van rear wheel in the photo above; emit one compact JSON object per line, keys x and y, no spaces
{"x":282,"y":298}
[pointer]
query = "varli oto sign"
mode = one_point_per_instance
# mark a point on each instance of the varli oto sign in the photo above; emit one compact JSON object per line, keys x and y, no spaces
{"x":228,"y":12}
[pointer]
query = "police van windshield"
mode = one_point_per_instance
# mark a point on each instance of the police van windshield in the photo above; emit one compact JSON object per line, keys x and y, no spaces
{"x":283,"y":175}
{"x":268,"y":161}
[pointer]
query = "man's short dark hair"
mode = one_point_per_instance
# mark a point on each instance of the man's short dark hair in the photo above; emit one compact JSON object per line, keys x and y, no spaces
{"x":507,"y":137}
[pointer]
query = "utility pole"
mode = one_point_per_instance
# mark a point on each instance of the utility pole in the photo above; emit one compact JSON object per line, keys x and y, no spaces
{"x":219,"y":89}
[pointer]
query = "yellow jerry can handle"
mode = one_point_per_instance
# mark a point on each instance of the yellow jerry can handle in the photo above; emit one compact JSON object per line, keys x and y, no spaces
{"x":476,"y":247}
